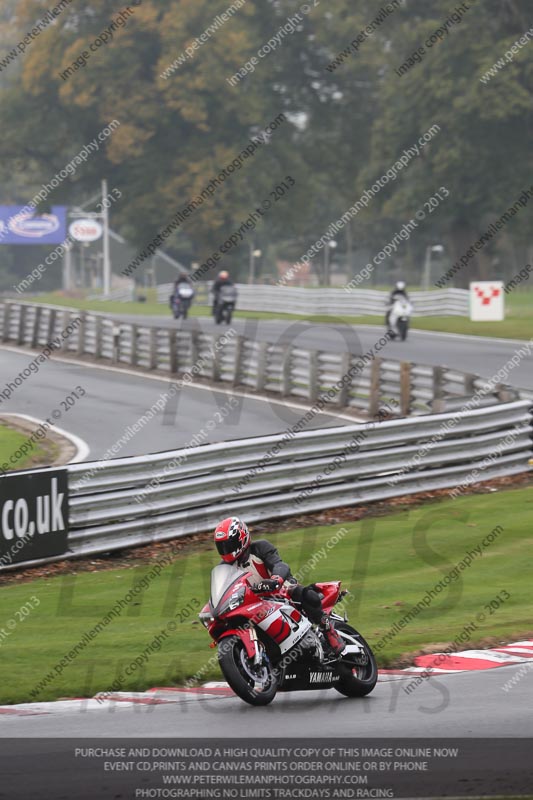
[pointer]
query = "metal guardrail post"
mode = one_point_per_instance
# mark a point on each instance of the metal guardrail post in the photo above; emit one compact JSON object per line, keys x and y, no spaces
{"x":7,"y":321}
{"x":286,"y":383}
{"x":438,"y":403}
{"x":405,"y":387}
{"x":314,"y":376}
{"x":239,"y":359}
{"x":64,"y":325}
{"x":374,"y":399}
{"x":152,"y":355}
{"x":172,"y":350}
{"x":195,"y":346}
{"x":36,"y":326}
{"x":82,"y":328}
{"x":262,"y":360}
{"x":22,"y":324}
{"x":470,"y":379}
{"x":217,"y":359}
{"x":343,"y":397}
{"x":50,"y":328}
{"x":115,"y":356}
{"x":506,"y":393}
{"x":98,"y":324}
{"x":134,"y":340}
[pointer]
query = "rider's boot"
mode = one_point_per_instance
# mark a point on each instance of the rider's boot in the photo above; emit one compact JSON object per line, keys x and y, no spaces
{"x":336,"y":643}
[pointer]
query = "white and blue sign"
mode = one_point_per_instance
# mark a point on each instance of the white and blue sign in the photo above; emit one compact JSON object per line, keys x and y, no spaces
{"x":20,"y":225}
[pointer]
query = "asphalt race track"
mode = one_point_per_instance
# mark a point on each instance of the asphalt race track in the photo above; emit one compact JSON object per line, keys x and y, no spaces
{"x":470,"y":704}
{"x":477,"y":354}
{"x":116,"y":399}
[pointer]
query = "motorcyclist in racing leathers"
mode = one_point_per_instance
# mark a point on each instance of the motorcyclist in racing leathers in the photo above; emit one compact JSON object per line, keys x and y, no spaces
{"x":223,"y":279}
{"x":183,"y":278}
{"x":234,"y":545}
{"x":397,"y":293}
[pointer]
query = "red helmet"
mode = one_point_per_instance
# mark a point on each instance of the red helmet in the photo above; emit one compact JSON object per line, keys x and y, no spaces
{"x":232,"y":539}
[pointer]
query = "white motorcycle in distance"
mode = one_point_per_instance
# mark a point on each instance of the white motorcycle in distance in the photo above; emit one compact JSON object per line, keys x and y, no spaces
{"x":400,"y":315}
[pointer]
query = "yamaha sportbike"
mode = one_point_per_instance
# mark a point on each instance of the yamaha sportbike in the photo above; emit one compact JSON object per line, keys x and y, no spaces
{"x":267,"y":645}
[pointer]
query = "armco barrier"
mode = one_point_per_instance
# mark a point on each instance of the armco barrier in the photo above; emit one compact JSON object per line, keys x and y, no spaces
{"x":278,"y":370}
{"x":133,"y":501}
{"x":335,"y":302}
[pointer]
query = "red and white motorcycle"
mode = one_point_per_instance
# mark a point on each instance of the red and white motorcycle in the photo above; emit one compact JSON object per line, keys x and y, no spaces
{"x":265,"y":645}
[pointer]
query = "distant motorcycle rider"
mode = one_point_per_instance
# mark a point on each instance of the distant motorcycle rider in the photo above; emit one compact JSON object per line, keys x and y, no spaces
{"x":399,"y":292}
{"x":182,"y":279}
{"x":261,"y":558}
{"x":223,"y":279}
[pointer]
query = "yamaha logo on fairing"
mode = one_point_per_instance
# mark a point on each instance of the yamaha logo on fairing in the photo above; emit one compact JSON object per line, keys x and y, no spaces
{"x":322,"y":677}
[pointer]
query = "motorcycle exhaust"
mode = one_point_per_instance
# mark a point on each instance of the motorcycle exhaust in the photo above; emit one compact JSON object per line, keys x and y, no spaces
{"x":352,"y":649}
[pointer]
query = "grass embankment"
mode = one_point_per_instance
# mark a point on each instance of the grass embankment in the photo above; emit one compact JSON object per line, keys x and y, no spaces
{"x":388,"y":562}
{"x":518,"y":323}
{"x":11,"y":440}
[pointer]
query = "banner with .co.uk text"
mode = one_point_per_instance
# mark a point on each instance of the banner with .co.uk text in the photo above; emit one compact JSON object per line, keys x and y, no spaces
{"x":33,"y":515}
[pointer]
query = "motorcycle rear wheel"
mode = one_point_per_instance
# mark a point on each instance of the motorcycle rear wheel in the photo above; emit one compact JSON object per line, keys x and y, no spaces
{"x":242,"y":675}
{"x":356,"y":680}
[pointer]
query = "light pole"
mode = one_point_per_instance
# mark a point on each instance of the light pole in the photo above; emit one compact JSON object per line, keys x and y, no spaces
{"x":331,"y":245}
{"x":105,"y":250}
{"x":253,"y":255}
{"x":432,"y":248}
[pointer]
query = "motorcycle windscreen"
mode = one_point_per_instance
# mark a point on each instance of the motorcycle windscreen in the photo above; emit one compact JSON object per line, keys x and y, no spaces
{"x":222,"y":577}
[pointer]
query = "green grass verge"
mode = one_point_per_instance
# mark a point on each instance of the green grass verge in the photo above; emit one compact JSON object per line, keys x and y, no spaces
{"x":10,"y":441}
{"x":517,"y":325}
{"x":388,"y":562}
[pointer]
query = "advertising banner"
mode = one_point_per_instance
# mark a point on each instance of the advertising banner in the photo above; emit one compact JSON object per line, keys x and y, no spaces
{"x":33,"y":515}
{"x":19,"y":225}
{"x":486,"y":301}
{"x":86,"y":230}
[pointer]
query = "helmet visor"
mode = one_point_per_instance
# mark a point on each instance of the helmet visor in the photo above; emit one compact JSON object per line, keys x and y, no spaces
{"x":228,"y":548}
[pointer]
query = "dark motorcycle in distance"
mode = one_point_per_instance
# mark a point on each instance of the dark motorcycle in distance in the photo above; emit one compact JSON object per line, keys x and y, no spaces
{"x":181,"y":300}
{"x":266,"y":645}
{"x":225,"y":304}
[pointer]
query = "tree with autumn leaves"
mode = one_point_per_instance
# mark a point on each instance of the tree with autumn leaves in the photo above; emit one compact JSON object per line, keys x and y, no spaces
{"x":345,"y":126}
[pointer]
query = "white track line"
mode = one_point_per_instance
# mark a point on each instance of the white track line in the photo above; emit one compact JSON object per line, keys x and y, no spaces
{"x":82,"y":448}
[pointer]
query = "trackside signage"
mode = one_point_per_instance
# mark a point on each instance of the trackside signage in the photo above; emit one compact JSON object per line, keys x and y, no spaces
{"x":33,"y":516}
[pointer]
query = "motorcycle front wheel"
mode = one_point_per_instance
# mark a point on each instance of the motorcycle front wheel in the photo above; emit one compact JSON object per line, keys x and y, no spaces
{"x":358,"y":675}
{"x":255,"y":684}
